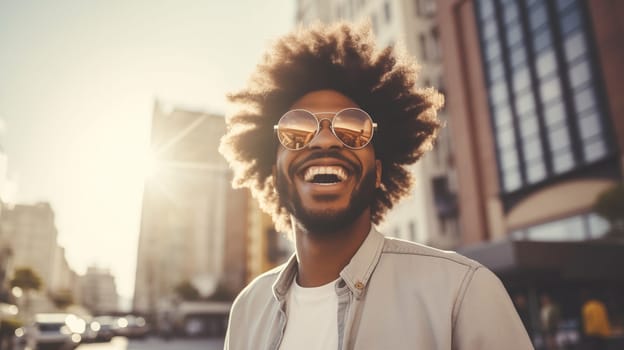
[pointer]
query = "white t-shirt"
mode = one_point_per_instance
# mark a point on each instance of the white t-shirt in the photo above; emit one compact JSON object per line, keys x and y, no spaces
{"x":312,"y":318}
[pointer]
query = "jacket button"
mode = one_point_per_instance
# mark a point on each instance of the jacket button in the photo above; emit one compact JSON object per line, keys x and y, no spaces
{"x":359,"y":285}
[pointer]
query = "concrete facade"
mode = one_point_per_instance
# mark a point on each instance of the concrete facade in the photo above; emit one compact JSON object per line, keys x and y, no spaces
{"x":32,"y":233}
{"x":430,"y":213}
{"x":98,"y":291}
{"x":185,"y":221}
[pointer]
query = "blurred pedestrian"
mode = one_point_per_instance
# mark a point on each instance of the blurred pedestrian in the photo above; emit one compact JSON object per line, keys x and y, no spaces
{"x":596,"y":326}
{"x":522,"y":307}
{"x":550,"y":317}
{"x":307,"y":145}
{"x":166,"y":326}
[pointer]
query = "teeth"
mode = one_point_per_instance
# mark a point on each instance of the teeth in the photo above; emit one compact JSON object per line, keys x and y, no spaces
{"x":325,"y":170}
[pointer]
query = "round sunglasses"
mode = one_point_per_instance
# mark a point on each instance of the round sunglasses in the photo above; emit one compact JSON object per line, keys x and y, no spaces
{"x":298,"y":127}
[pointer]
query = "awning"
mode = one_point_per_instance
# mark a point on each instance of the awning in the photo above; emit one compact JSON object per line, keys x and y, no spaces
{"x":521,"y":260}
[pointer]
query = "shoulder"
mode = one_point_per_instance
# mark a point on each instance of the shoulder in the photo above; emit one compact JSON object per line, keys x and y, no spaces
{"x":395,"y":246}
{"x":259,"y":290}
{"x":254,"y":307}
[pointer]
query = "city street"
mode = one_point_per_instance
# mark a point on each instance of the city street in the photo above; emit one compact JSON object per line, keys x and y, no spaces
{"x":121,"y":343}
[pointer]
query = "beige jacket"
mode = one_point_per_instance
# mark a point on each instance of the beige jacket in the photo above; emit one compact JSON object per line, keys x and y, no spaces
{"x":392,"y":295}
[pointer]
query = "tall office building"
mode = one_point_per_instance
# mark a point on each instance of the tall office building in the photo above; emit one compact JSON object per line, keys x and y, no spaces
{"x":31,"y":231}
{"x":29,"y":236}
{"x":98,"y":291}
{"x":63,"y":278}
{"x":185,"y":211}
{"x":6,"y":258}
{"x":430,"y":213}
{"x":7,"y":194}
{"x":534,"y":94}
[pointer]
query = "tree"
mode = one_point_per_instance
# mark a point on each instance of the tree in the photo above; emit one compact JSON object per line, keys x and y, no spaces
{"x":222,"y":293}
{"x":187,"y":291}
{"x":27,"y":280}
{"x":62,"y":298}
{"x":610,"y":206}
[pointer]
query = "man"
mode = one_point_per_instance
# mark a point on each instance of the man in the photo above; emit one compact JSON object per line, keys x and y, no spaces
{"x":550,"y":317}
{"x":596,"y":326}
{"x":522,"y":307}
{"x":328,"y":127}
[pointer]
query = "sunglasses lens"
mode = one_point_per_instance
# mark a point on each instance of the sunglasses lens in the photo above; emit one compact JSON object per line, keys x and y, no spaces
{"x":296,"y":129}
{"x":353,"y":127}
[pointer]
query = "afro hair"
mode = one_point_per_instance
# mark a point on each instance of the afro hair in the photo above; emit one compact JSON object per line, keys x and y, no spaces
{"x":341,"y":57}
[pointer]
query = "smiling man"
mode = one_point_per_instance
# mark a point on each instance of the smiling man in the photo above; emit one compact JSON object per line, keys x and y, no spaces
{"x":328,"y":127}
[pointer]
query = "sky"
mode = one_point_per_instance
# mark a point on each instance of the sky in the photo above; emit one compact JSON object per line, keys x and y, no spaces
{"x":78,"y":81}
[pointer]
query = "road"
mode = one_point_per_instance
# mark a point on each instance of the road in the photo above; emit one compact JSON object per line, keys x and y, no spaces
{"x":120,"y":343}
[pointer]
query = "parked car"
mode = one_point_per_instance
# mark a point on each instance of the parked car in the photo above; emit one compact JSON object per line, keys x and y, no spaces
{"x":59,"y":331}
{"x":108,"y":324}
{"x":92,"y":330}
{"x":132,"y":327}
{"x":8,"y":324}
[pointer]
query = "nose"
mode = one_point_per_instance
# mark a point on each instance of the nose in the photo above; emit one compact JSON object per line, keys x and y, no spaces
{"x":325,"y":138}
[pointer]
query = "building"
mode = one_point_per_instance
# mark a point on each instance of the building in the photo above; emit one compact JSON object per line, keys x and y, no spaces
{"x":8,"y":187}
{"x":237,"y":236}
{"x":64,"y":279}
{"x":189,"y":212}
{"x":6,"y":260}
{"x":533,"y":90}
{"x":430,"y":213}
{"x":98,"y":291}
{"x":266,"y":248}
{"x":7,"y":194}
{"x":32,"y":233}
{"x":29,"y":235}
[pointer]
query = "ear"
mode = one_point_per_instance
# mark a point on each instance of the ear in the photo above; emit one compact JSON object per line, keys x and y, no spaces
{"x":378,"y":172}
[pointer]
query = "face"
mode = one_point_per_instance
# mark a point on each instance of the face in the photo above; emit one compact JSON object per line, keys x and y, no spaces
{"x":326,"y":185}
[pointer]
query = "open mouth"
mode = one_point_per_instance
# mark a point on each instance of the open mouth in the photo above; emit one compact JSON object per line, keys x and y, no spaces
{"x":325,"y":175}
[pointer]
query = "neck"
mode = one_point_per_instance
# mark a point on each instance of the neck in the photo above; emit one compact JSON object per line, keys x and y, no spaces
{"x":321,"y":256}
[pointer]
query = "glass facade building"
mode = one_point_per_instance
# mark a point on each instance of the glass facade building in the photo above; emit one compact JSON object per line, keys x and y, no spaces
{"x":543,"y":89}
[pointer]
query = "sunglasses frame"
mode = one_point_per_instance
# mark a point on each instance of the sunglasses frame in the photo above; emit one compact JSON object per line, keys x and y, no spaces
{"x":331,"y":126}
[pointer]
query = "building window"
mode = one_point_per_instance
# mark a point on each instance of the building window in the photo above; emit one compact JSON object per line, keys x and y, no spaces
{"x":444,"y":199}
{"x":542,"y":90}
{"x":412,"y":231}
{"x":375,"y":23}
{"x":422,"y":43}
{"x":340,"y":11}
{"x":436,"y":51}
{"x":387,"y":12}
{"x":278,"y":247}
{"x":425,"y":8}
{"x":573,"y":228}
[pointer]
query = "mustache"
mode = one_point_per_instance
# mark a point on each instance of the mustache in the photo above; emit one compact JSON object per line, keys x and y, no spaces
{"x":336,"y":154}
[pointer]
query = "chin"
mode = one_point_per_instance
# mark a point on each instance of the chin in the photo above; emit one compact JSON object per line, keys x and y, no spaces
{"x":328,"y":220}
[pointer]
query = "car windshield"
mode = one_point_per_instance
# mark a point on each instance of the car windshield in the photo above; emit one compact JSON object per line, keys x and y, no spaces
{"x":47,"y":327}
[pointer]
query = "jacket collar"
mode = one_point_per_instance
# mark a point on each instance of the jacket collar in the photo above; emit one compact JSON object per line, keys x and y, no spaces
{"x":356,"y":274}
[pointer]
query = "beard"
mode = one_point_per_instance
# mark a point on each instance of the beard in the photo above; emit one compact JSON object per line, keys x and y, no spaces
{"x":328,"y":221}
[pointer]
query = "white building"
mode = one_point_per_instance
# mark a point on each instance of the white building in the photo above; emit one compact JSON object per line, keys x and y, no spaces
{"x":430,"y":214}
{"x":7,"y":194}
{"x":29,"y":233}
{"x":63,"y":278}
{"x":98,"y":291}
{"x":8,"y":187}
{"x":33,"y":236}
